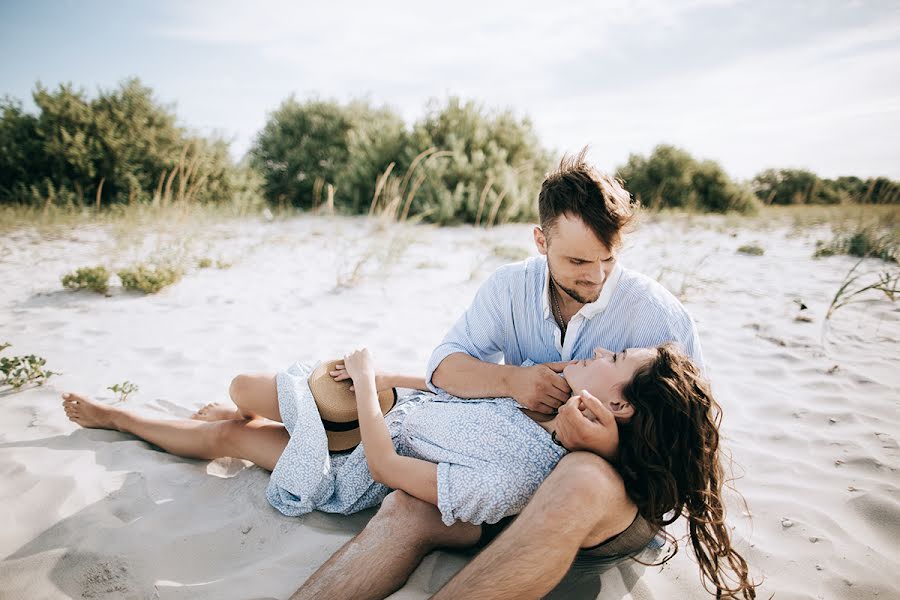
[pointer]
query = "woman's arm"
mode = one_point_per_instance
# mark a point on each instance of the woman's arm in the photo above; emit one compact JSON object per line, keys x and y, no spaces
{"x":384,"y":381}
{"x":412,"y":475}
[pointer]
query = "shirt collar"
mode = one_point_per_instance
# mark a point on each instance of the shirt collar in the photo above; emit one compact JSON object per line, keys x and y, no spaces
{"x":596,"y":307}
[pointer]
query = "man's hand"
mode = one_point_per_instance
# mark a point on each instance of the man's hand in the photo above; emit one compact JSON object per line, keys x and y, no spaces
{"x":540,"y":388}
{"x":576,"y":430}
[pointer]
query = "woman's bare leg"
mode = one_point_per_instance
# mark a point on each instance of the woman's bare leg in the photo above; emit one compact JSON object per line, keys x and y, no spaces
{"x":253,"y":396}
{"x":258,"y":441}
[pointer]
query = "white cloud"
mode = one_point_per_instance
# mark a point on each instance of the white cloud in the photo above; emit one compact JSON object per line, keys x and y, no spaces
{"x":784,"y":105}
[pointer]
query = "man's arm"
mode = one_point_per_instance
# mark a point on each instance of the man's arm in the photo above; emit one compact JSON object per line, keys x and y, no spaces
{"x":538,"y":387}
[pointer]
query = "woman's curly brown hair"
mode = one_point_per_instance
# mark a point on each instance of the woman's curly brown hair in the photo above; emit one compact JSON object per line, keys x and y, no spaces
{"x":669,"y":461}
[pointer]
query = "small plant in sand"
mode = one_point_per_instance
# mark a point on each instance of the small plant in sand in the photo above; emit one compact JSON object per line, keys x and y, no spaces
{"x":751,"y":249}
{"x":95,"y":279}
{"x":20,"y":370}
{"x":149,"y":280}
{"x":123,"y":390}
{"x":204,"y":263}
{"x":223,"y":264}
{"x":865,"y":240}
{"x":855,"y":284}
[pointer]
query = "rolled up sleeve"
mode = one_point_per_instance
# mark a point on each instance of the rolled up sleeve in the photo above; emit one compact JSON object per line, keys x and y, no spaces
{"x":480,"y":331}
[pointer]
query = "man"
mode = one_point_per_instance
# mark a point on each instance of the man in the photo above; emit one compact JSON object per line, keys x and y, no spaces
{"x":569,"y":303}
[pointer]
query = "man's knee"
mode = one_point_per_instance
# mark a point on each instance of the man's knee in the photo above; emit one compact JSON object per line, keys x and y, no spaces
{"x":584,"y":476}
{"x":419,"y":522}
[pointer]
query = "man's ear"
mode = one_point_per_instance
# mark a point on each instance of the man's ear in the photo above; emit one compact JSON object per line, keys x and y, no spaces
{"x":540,"y":240}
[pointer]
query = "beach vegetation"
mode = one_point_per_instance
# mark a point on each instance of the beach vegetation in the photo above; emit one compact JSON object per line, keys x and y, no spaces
{"x":865,"y":239}
{"x":123,"y":390}
{"x":149,"y":279}
{"x":95,"y":279}
{"x":671,"y":178}
{"x":118,"y":148}
{"x":800,"y":186}
{"x":751,"y":249}
{"x":18,"y":371}
{"x":857,"y":283}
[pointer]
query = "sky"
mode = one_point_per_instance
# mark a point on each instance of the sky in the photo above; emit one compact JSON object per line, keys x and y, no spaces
{"x":750,"y":84}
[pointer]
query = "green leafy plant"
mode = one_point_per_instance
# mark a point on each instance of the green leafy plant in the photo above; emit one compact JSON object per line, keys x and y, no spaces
{"x":95,"y":279}
{"x":149,"y":280}
{"x":122,"y":390}
{"x":20,"y":370}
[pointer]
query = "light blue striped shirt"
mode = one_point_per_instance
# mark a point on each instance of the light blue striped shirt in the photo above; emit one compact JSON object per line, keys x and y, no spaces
{"x":510,"y":319}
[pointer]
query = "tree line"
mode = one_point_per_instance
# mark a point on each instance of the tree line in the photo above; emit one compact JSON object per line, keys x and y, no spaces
{"x":458,"y":163}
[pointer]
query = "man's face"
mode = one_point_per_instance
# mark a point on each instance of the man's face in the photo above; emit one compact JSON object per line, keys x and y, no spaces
{"x":579,"y":262}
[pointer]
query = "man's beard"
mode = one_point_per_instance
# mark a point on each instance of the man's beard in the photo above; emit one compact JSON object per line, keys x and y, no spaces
{"x":572,"y":293}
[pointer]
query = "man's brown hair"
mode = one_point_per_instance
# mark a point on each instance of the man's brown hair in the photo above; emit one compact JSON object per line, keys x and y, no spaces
{"x":576,"y":189}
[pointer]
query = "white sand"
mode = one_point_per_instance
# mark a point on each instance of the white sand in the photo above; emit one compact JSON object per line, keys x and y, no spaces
{"x":99,"y":514}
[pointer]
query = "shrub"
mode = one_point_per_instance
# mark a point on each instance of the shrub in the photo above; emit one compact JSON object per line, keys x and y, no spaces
{"x":95,"y":279}
{"x":474,"y":166}
{"x":120,"y":147}
{"x":865,"y":241}
{"x":794,"y":186}
{"x":149,"y":280}
{"x":300,"y":145}
{"x":671,"y":177}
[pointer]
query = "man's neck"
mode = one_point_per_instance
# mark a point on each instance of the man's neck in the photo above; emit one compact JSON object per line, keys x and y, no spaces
{"x":568,"y":305}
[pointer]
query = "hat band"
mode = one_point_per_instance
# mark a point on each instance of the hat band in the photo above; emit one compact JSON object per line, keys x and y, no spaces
{"x":351,"y":425}
{"x":335,"y":426}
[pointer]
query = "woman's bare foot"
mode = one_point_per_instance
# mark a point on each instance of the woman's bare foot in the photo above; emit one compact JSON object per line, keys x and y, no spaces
{"x":218,"y":411}
{"x":88,"y":413}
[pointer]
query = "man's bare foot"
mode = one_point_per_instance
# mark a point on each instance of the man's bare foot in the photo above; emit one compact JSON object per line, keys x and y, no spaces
{"x":88,"y":413}
{"x":217,"y":411}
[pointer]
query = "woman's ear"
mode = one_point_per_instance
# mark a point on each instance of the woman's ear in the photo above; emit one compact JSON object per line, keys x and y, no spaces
{"x":621,"y":409}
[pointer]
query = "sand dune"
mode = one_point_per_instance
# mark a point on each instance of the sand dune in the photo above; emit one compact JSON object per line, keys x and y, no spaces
{"x":811,"y":407}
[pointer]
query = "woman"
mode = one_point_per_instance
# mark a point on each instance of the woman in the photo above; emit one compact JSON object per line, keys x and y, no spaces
{"x":477,"y":460}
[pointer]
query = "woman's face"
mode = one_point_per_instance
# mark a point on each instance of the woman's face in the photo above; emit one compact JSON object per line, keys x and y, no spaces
{"x":607,"y":373}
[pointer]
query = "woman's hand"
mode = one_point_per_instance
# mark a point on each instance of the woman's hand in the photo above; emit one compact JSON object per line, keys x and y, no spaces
{"x":577,"y":431}
{"x":382,"y":380}
{"x":360,"y":366}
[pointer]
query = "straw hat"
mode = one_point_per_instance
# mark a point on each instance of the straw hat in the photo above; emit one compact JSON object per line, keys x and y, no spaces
{"x":337,"y":406}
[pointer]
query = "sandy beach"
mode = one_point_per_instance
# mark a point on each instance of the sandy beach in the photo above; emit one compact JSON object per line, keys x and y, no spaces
{"x":810,"y":406}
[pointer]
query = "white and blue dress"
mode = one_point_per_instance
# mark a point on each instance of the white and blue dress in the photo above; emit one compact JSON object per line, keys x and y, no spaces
{"x":491,"y":456}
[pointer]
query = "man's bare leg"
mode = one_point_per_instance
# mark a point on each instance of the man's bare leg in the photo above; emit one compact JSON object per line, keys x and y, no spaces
{"x":581,"y":504}
{"x":379,"y":560}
